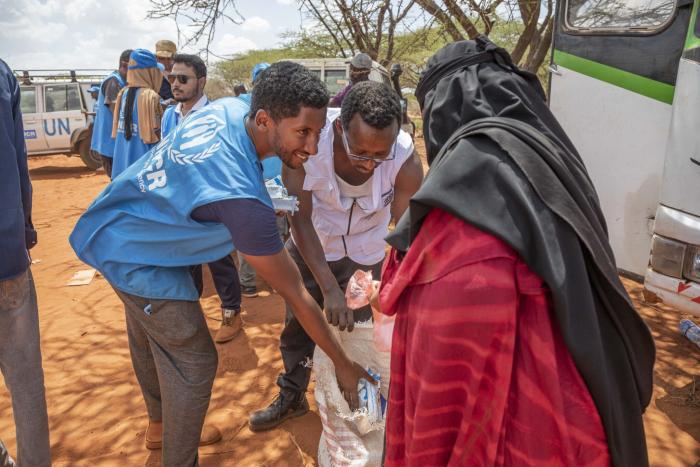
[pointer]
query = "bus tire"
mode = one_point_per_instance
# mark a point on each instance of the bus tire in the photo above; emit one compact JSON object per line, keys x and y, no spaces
{"x":90,"y":158}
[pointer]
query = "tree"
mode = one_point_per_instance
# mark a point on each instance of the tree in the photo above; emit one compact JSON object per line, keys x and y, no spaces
{"x":200,"y":16}
{"x":369,"y":26}
{"x":466,"y":19}
{"x":345,"y":27}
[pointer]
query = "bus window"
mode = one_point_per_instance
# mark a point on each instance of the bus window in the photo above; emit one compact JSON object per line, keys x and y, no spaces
{"x":28,"y":100}
{"x":335,"y":81}
{"x":618,"y":15}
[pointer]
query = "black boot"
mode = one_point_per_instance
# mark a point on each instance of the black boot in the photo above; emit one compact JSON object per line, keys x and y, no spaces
{"x":283,"y":407}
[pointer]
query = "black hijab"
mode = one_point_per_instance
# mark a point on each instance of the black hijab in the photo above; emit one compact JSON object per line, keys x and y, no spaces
{"x":500,"y":161}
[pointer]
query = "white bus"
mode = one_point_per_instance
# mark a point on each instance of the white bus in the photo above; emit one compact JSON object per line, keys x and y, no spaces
{"x":626,"y":88}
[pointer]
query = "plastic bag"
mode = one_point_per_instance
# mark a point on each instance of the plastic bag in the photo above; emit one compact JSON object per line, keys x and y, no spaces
{"x":357,"y":294}
{"x":359,"y":289}
{"x":383,"y":330}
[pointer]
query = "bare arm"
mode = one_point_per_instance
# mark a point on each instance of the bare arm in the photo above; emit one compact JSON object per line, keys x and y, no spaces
{"x":281,"y":273}
{"x":306,"y":240}
{"x":408,"y":181}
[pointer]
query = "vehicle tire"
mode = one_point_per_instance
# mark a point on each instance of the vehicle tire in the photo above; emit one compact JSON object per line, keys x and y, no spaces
{"x":90,"y":158}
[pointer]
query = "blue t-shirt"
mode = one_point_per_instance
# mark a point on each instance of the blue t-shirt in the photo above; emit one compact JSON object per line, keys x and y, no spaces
{"x":128,"y":151}
{"x":139,"y":232}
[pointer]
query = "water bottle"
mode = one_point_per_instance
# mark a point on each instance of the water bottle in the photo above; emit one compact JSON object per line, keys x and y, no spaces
{"x":690,"y":330}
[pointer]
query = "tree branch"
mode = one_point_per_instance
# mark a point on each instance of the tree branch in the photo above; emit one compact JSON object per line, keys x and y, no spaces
{"x":433,"y":9}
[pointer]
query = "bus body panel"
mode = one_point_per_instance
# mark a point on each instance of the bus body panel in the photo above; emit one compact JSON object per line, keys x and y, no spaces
{"x":629,"y":98}
{"x":678,"y":216}
{"x":623,"y":155}
{"x":681,"y":176}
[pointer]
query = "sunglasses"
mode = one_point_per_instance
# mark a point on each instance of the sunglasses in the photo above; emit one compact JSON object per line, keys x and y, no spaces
{"x":360,"y":157}
{"x":182,"y":79}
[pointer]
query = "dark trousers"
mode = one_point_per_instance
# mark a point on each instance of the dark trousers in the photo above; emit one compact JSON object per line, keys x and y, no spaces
{"x":226,"y":283}
{"x":175,"y":361}
{"x":296,"y":346}
{"x":107,"y":165}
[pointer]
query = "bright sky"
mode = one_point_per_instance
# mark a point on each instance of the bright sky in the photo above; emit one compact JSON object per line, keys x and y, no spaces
{"x":70,"y":34}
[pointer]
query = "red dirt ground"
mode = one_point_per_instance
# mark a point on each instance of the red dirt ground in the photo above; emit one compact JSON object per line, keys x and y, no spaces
{"x":97,"y":416}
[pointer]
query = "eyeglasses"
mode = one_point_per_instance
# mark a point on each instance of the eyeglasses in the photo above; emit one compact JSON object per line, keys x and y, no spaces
{"x":182,"y":79}
{"x":376,"y":159}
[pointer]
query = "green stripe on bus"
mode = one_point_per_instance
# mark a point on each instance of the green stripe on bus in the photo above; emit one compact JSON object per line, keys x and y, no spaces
{"x":638,"y":84}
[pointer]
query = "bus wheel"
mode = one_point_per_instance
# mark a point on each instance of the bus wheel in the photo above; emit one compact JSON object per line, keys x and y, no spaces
{"x":90,"y":158}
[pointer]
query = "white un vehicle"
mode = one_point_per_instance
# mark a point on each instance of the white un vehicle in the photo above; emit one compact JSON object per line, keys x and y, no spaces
{"x":57,"y":112}
{"x":626,"y":88}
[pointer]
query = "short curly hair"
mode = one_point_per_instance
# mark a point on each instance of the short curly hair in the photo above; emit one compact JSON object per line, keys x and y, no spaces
{"x":284,"y":88}
{"x":377,"y":104}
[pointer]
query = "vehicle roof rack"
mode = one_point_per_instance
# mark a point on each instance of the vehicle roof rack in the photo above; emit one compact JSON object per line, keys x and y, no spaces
{"x":87,"y":75}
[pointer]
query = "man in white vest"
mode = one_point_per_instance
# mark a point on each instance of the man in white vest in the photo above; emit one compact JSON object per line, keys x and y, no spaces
{"x":364,"y":175}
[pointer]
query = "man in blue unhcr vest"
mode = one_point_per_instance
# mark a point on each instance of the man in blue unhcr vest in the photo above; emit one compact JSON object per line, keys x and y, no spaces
{"x":189,"y":76}
{"x":188,"y":201}
{"x":102,"y":141}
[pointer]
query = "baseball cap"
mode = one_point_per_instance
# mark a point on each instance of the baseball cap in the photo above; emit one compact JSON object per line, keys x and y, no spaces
{"x":142,"y":58}
{"x":257,"y":69}
{"x":362,"y":61}
{"x":94,"y":88}
{"x":165,"y":48}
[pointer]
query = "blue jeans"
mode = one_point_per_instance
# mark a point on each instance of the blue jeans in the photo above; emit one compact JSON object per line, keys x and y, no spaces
{"x":20,"y":363}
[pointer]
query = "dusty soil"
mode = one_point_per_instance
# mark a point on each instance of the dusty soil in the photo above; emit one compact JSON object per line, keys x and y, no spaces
{"x":96,"y":412}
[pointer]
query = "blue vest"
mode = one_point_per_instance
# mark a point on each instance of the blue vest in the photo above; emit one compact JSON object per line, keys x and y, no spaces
{"x":138,"y":232}
{"x":102,"y":140}
{"x":171,"y":119}
{"x":126,"y":152}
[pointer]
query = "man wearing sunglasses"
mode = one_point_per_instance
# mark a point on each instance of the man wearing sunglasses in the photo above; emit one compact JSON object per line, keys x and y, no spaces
{"x":189,"y":76}
{"x":364,"y":174}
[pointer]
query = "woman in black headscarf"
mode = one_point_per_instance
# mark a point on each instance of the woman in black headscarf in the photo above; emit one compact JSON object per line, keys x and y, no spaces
{"x":515,"y":342}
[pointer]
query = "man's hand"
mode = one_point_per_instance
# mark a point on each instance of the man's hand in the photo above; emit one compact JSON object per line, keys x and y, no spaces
{"x":348,"y":376}
{"x":337,"y":311}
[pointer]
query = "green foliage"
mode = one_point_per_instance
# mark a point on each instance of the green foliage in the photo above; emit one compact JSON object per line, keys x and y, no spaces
{"x":411,"y":49}
{"x":239,"y":69}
